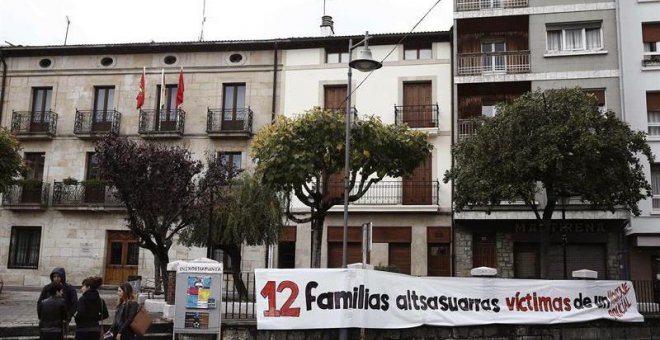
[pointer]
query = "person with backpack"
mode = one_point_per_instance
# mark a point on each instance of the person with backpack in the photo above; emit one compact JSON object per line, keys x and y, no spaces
{"x":91,"y":310}
{"x":52,"y":313}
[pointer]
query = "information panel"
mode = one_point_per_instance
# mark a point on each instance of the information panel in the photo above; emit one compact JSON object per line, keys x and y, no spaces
{"x":198,"y":297}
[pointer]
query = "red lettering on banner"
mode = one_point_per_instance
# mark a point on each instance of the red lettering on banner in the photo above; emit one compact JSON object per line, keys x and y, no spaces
{"x":268,"y":291}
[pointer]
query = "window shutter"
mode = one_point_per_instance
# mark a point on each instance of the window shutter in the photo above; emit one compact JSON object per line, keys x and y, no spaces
{"x":651,"y":32}
{"x":653,"y":101}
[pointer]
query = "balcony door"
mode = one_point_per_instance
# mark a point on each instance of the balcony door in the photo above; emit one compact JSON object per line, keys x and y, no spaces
{"x":167,"y":113}
{"x":41,"y":106}
{"x":491,"y":4}
{"x":94,"y":188}
{"x":104,"y":98}
{"x":233,"y":107}
{"x":417,"y":99}
{"x":334,"y":97}
{"x":494,"y":59}
{"x":122,"y":257}
{"x":32,"y":187}
{"x":417,"y":188}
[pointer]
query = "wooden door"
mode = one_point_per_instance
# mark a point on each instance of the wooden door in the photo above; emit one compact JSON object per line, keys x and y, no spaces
{"x":418,"y":188}
{"x":483,"y":251}
{"x":399,"y":256}
{"x":334,"y":98}
{"x":439,"y":251}
{"x":417,"y":99}
{"x":122,"y":257}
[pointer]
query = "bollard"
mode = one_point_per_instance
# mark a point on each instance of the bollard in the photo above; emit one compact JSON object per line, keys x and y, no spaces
{"x":483,"y":272}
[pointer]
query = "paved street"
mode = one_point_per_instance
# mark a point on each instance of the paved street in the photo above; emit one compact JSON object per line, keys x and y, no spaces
{"x":18,"y":306}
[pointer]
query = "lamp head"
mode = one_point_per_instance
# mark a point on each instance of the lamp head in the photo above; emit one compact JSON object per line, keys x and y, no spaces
{"x":365,"y":61}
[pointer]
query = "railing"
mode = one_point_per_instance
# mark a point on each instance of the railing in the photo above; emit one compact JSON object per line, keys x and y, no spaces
{"x":467,"y":128}
{"x":393,"y":193}
{"x":651,"y":60}
{"x":417,"y":116}
{"x":80,"y":194}
{"x":648,"y":296}
{"x":157,"y":122}
{"x":31,"y":123}
{"x":91,"y":122}
{"x":234,"y":306}
{"x":229,"y":120}
{"x":493,"y":62}
{"x":33,"y":194}
{"x":475,"y":5}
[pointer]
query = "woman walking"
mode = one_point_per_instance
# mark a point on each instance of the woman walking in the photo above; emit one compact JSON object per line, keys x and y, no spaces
{"x":91,"y":310}
{"x":126,"y":311}
{"x":52,"y":313}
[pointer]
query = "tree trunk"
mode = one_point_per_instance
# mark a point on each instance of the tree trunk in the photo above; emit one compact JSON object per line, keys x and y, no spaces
{"x":234,"y":253}
{"x":545,"y":242}
{"x":317,"y":238}
{"x":157,"y":275}
{"x":164,"y":259}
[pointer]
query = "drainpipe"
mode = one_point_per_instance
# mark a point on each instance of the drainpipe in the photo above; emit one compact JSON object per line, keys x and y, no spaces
{"x":4,"y":81}
{"x":274,"y":103}
{"x":453,"y":141}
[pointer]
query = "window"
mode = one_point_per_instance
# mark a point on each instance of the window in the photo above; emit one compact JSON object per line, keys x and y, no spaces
{"x":286,"y":248}
{"x":655,"y":185}
{"x":167,"y":112}
{"x":336,"y":57}
{"x":651,"y":37}
{"x":491,"y":4}
{"x":653,"y":113}
{"x":600,"y":98}
{"x":104,"y":99}
{"x":417,"y":51}
{"x":24,"y":248}
{"x":35,"y":165}
{"x":334,"y":98}
{"x":231,"y":158}
{"x":494,"y":59}
{"x":574,"y":38}
{"x":41,"y":106}
{"x":233,"y":105}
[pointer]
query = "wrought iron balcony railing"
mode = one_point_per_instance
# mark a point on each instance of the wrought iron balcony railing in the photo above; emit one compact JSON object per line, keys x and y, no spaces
{"x":29,"y":194}
{"x":401,"y":192}
{"x":96,"y":122}
{"x":162,"y":122}
{"x":493,"y":62}
{"x":34,"y":123}
{"x":227,"y":122}
{"x":81,"y":194}
{"x":651,"y":60}
{"x":476,"y":5}
{"x":417,"y":116}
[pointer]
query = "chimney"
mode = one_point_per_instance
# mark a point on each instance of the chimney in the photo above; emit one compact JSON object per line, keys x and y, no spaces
{"x":327,"y":26}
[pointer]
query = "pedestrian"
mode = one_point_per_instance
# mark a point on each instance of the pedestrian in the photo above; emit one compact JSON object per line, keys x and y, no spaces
{"x":52,"y":313}
{"x":91,"y":310}
{"x":126,"y":311}
{"x":58,"y":275}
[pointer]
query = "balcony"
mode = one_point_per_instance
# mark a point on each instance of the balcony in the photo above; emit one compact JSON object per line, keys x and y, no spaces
{"x":34,"y":124}
{"x":470,"y":64}
{"x":477,"y":5}
{"x":229,"y":123}
{"x":83,"y":195}
{"x":401,"y":192}
{"x":417,"y":116}
{"x":467,"y":128}
{"x":161,"y":123}
{"x":651,"y":60}
{"x":96,"y":123}
{"x":27,"y":195}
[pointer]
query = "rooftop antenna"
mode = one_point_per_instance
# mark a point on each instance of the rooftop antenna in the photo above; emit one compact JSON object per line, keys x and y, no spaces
{"x":201,"y":34}
{"x":68,"y":22}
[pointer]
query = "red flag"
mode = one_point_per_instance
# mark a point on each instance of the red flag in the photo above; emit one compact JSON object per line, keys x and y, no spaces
{"x":179,"y":90}
{"x":140,"y":95}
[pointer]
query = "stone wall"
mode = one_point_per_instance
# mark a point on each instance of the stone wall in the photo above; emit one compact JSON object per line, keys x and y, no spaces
{"x":504,"y":253}
{"x":462,"y":251}
{"x":596,"y":330}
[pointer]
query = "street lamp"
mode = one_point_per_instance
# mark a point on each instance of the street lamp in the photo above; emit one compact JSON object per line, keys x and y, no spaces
{"x":364,"y":63}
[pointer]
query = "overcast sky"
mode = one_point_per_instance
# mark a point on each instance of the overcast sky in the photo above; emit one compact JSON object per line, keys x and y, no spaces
{"x":43,"y":22}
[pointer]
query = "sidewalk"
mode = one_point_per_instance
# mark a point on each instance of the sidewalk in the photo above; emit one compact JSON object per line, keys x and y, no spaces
{"x":18,"y":305}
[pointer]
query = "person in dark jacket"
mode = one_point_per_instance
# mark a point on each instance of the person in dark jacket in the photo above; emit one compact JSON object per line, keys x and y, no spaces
{"x":126,"y":311}
{"x":58,"y":275}
{"x":52,"y":313}
{"x":91,"y":310}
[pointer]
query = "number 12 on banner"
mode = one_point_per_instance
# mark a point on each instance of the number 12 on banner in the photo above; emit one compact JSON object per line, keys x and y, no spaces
{"x":270,"y":293}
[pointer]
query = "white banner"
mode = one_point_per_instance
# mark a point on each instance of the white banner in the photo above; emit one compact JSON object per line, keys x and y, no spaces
{"x":341,"y":298}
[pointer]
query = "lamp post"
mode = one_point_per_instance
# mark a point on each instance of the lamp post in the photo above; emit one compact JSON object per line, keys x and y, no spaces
{"x":364,"y":63}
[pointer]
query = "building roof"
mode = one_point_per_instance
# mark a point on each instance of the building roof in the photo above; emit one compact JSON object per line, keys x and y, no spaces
{"x":222,"y":45}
